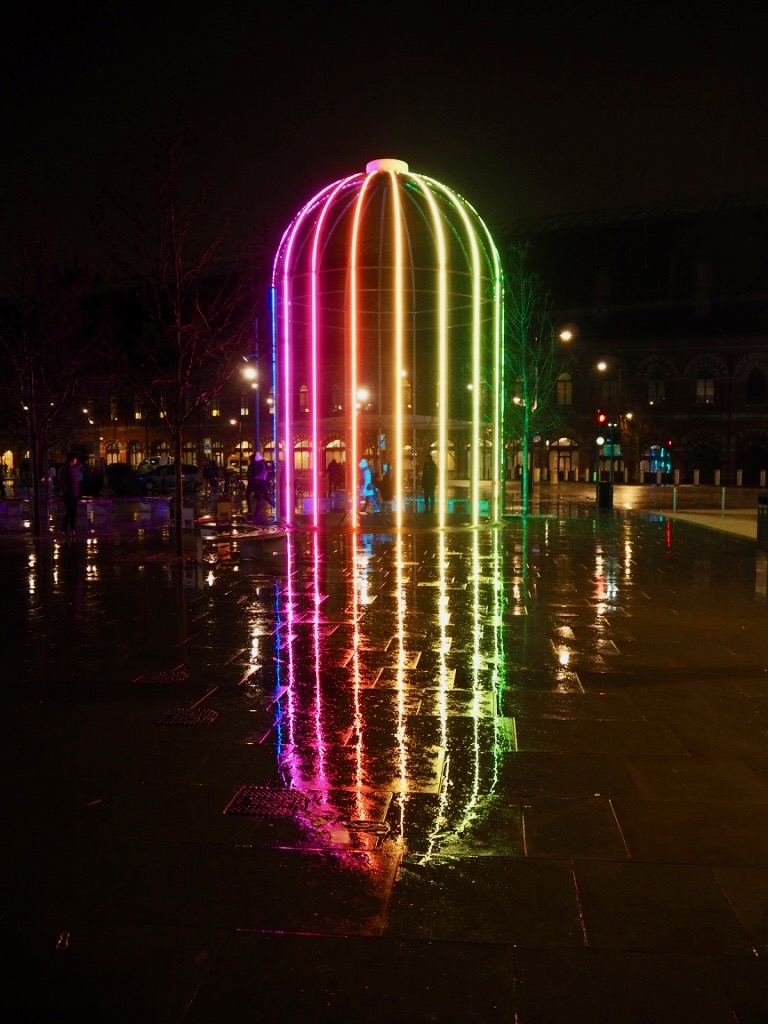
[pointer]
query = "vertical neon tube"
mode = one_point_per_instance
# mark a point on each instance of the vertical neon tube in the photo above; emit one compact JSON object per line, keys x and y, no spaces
{"x":442,"y":337}
{"x":284,"y":408}
{"x":283,"y":396}
{"x":354,"y":350}
{"x":399,"y":328}
{"x":498,"y":371}
{"x":498,"y":396}
{"x":462,"y":207}
{"x":314,"y":328}
{"x":497,"y":366}
{"x":273,"y":378}
{"x":474,"y":449}
{"x":474,"y":483}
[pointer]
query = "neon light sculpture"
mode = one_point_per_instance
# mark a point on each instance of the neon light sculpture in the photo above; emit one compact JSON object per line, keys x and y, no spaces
{"x":390,"y":282}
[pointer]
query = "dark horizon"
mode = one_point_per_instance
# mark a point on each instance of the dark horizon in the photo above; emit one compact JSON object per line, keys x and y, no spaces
{"x":527,"y":115}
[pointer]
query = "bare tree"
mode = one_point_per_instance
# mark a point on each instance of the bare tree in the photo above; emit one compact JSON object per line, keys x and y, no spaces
{"x":532,"y":361}
{"x":50,"y":334}
{"x":196,"y":287}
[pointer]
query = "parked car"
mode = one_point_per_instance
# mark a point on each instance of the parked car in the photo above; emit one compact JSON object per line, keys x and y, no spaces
{"x":151,"y":463}
{"x":161,"y":479}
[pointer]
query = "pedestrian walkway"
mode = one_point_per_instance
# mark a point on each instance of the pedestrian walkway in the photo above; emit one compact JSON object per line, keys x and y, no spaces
{"x":509,"y":773}
{"x":741,"y":522}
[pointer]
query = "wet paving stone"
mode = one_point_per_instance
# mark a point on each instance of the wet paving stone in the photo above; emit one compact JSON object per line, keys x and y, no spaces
{"x":535,"y":752}
{"x":486,"y":899}
{"x":326,"y":980}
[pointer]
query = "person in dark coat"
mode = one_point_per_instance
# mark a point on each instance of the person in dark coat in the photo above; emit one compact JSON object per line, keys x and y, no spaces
{"x":429,"y":482}
{"x":386,"y":485}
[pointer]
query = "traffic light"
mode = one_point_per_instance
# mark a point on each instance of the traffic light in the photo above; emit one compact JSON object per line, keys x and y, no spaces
{"x":602,"y":418}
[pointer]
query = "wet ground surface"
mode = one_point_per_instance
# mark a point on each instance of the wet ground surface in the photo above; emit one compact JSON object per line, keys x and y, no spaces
{"x":514,"y":773}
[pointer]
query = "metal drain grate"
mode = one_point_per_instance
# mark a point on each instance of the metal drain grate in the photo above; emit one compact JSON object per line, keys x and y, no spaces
{"x":188,"y":716}
{"x":266,"y":802}
{"x":176,"y":675}
{"x":374,"y":828}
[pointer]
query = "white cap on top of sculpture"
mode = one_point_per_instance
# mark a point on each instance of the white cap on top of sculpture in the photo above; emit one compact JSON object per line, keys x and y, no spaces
{"x":386,"y":164}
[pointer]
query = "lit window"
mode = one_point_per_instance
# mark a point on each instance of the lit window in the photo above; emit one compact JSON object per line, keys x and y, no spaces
{"x":216,"y":406}
{"x":138,"y":412}
{"x":303,"y":398}
{"x":302,"y":457}
{"x":705,"y":391}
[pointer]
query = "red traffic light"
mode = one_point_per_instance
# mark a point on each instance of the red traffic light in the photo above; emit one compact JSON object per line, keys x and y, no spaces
{"x":602,"y":417}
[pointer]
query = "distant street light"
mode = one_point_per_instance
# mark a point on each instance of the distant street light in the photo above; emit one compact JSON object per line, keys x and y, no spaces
{"x":251,"y":373}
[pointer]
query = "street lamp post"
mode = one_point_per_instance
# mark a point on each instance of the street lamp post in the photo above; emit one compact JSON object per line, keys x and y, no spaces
{"x":251,"y":373}
{"x":235,"y":423}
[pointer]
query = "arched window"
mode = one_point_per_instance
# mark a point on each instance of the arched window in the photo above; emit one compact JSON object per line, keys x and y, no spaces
{"x":269,"y":451}
{"x":755,"y":390}
{"x":335,"y":449}
{"x":112,"y":452}
{"x":135,"y":453}
{"x":217,"y":452}
{"x":302,"y":456}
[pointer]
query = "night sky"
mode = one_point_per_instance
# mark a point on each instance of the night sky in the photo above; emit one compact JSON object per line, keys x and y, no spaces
{"x":540,"y":110}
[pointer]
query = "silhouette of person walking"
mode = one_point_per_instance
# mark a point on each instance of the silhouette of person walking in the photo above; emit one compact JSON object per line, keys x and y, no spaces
{"x":429,"y":482}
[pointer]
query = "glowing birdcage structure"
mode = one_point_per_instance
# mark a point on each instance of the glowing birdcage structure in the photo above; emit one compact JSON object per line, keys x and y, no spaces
{"x":387,"y":335}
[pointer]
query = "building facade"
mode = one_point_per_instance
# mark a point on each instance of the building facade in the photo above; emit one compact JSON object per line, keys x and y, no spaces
{"x":664,"y":315}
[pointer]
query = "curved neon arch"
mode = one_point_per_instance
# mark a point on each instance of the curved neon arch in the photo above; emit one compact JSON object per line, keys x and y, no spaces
{"x":391,"y":271}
